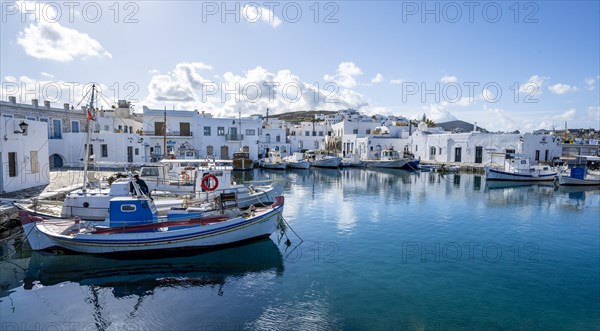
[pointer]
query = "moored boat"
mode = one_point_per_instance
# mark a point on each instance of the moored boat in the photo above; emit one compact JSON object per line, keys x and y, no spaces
{"x":320,"y":159}
{"x":134,"y":225}
{"x":390,"y":158}
{"x":579,"y":174}
{"x":273,"y":161}
{"x":518,"y":168}
{"x":242,"y":161}
{"x":297,"y":161}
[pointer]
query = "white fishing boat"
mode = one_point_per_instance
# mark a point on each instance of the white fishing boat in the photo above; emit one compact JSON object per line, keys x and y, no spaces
{"x":273,"y":161}
{"x":133,"y":224}
{"x":297,"y":161}
{"x":580,"y":173}
{"x":320,"y":159}
{"x":352,"y":161}
{"x":390,"y":158}
{"x":518,"y":168}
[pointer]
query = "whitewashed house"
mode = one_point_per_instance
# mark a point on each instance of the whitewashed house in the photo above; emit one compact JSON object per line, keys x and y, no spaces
{"x":207,"y":135}
{"x":114,"y":136}
{"x":23,"y":153}
{"x":308,"y":135}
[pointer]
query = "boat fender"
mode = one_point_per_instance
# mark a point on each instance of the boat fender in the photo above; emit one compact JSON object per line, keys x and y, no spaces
{"x":206,"y":182}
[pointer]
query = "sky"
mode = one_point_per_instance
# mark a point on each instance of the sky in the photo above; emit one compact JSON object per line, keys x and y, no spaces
{"x":506,"y":65}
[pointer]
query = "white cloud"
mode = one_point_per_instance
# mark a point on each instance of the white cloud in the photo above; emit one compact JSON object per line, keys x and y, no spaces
{"x":254,"y":14}
{"x":56,"y":91}
{"x":345,"y":75}
{"x":533,"y":86}
{"x":377,"y":79}
{"x":47,"y":39}
{"x":448,"y":79}
{"x":253,"y":91}
{"x":45,"y":74}
{"x":396,"y":81}
{"x":549,"y":121}
{"x":591,"y":83}
{"x":562,"y":88}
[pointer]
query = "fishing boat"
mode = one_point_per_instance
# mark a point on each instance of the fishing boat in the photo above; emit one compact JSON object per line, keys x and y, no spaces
{"x":390,"y":158}
{"x":273,"y":161}
{"x":242,"y":161}
{"x":320,"y":159}
{"x":352,"y":161}
{"x":580,"y":172}
{"x":518,"y":168}
{"x":133,"y":225}
{"x":297,"y":161}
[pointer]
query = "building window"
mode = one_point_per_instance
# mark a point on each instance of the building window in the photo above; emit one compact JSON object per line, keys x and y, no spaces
{"x":440,"y":151}
{"x":207,"y":130}
{"x":131,"y":129}
{"x":416,"y":148}
{"x":31,"y":118}
{"x":321,"y":133}
{"x":307,"y":133}
{"x":432,"y":150}
{"x":209,"y":150}
{"x":12,"y":164}
{"x":277,"y":138}
{"x":120,"y":128}
{"x":368,"y":131}
{"x":137,"y":151}
{"x":56,"y":129}
{"x":355,"y":131}
{"x":125,"y":129}
{"x":537,"y":155}
{"x":104,"y":150}
{"x":221,"y":131}
{"x":74,"y":126}
{"x":33,"y":159}
{"x":546,"y":156}
{"x":250,"y":132}
{"x":106,"y":128}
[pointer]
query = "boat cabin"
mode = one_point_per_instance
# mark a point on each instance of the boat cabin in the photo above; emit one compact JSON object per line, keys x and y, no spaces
{"x":128,"y":211}
{"x":389,"y":155}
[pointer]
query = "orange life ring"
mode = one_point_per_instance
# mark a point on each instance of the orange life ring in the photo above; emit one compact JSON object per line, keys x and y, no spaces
{"x":206,"y":181}
{"x":185,"y":176}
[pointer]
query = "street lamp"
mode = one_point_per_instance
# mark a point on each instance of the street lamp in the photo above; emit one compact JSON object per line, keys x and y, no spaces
{"x":23,"y":127}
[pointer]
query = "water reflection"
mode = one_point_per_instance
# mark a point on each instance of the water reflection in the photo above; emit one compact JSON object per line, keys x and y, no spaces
{"x":141,"y":275}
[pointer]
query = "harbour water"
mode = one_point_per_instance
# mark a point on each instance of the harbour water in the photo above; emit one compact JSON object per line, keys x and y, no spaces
{"x":381,"y":250}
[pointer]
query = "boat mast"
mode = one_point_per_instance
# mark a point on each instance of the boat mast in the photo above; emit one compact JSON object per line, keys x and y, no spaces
{"x":89,"y":117}
{"x":165,"y":133}
{"x":240,"y":124}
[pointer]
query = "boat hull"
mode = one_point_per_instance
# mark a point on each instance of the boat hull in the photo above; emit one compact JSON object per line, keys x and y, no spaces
{"x":243,"y":164}
{"x":495,"y":174}
{"x":206,"y":236}
{"x":395,"y":164}
{"x":274,"y":166}
{"x":298,"y":165}
{"x":332,"y":162}
{"x":570,"y":181}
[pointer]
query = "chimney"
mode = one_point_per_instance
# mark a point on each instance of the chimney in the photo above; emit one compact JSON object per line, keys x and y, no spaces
{"x":34,"y":102}
{"x":66,"y":106}
{"x":12,"y":99}
{"x":46,"y":103}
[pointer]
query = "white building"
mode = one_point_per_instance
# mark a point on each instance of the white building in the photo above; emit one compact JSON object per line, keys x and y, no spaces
{"x":207,"y":135}
{"x":113,"y":135}
{"x":23,"y":153}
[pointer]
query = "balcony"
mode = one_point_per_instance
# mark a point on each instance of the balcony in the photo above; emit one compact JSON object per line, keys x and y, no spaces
{"x":234,"y":137}
{"x":169,"y":133}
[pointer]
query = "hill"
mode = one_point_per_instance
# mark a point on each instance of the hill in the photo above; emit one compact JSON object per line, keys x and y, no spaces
{"x":300,"y":116}
{"x":459,"y":126}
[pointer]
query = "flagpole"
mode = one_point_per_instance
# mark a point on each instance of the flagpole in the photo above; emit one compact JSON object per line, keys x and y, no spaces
{"x":87,"y":139}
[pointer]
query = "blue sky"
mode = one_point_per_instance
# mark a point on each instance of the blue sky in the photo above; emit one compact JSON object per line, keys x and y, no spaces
{"x":506,"y":65}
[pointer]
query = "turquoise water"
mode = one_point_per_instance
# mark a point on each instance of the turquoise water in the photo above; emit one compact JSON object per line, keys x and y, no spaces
{"x":382,"y":250}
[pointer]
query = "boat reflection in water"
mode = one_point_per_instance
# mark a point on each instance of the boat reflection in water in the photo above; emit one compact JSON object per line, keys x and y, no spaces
{"x":142,"y":274}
